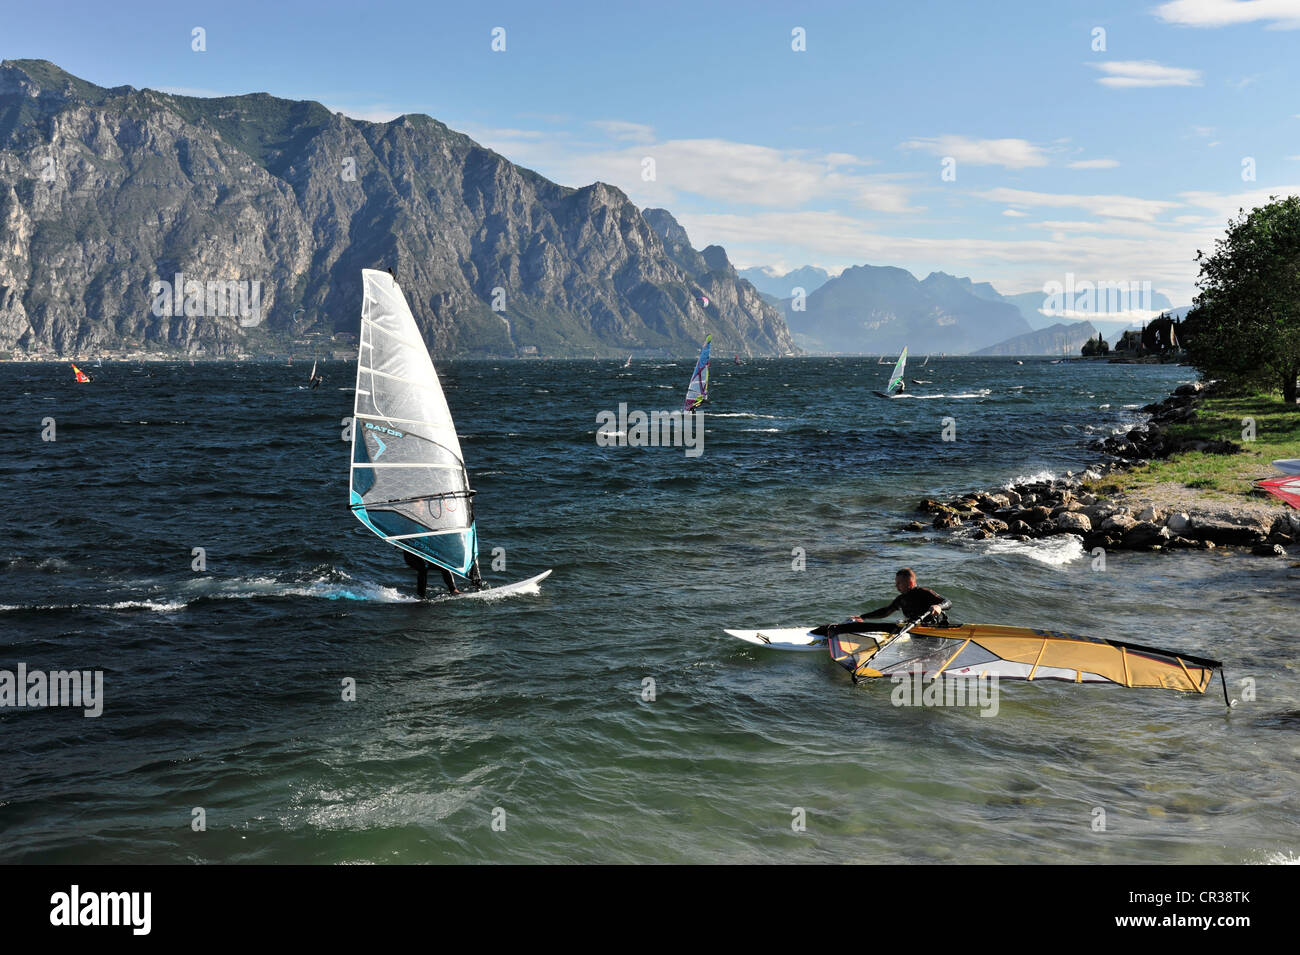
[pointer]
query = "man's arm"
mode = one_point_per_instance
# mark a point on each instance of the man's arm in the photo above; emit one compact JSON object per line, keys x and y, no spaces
{"x":881,"y":611}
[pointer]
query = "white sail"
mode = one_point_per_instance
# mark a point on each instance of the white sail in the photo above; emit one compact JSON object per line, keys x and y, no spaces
{"x":409,"y":483}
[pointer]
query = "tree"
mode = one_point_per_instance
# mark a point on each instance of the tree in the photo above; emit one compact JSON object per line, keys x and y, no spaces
{"x":1244,"y":326}
{"x":1094,"y":347}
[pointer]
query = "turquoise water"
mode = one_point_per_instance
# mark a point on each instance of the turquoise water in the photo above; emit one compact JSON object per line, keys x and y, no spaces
{"x":223,"y":688}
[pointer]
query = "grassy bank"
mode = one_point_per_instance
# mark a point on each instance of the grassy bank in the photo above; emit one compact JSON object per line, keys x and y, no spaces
{"x":1222,"y":478}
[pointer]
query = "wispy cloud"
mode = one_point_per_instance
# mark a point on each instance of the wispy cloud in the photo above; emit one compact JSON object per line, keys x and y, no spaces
{"x":722,"y":171}
{"x":1094,"y":164}
{"x":1008,"y":153}
{"x":1278,"y":14}
{"x":1131,"y":73}
{"x":620,"y":129}
{"x":1104,"y":206}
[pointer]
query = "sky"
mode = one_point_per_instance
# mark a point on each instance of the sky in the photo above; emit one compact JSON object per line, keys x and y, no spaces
{"x":1012,"y":142}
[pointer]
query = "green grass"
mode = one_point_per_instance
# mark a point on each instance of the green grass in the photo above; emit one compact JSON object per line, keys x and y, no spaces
{"x":1224,"y":476}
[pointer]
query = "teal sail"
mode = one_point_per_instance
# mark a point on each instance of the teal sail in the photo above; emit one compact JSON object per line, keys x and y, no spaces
{"x":896,"y":379}
{"x":409,"y":483}
{"x":697,"y":392}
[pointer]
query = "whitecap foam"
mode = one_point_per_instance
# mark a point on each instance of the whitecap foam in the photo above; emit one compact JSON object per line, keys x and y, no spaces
{"x":1038,"y":477}
{"x":741,"y":414}
{"x":1055,"y":551}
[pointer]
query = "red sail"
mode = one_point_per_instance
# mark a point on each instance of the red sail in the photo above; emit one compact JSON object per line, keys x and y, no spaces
{"x":81,"y":375}
{"x":1286,"y":488}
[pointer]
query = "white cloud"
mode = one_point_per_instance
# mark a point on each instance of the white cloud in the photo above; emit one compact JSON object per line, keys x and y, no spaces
{"x":1130,"y":73}
{"x":1094,"y":164}
{"x":1105,"y":206}
{"x":1279,"y":14}
{"x":1008,"y":153}
{"x":619,"y":129}
{"x":716,"y":169}
{"x":1015,"y":213}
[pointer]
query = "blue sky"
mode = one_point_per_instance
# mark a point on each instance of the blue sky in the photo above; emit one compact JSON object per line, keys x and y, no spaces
{"x":1114,"y":164}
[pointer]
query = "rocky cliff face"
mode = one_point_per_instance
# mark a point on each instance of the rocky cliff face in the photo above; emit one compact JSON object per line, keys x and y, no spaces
{"x":105,"y":193}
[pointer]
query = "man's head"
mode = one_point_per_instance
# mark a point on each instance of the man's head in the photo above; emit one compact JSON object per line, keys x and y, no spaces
{"x":905,"y":580}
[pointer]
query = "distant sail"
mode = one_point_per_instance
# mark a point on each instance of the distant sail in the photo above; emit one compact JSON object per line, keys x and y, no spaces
{"x":896,"y":379}
{"x":628,"y":363}
{"x":81,"y":376}
{"x":409,"y":483}
{"x":698,"y":390}
{"x":312,"y":376}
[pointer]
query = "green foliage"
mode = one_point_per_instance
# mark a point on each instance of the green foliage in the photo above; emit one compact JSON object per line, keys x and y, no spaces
{"x":1095,"y":347}
{"x":1245,"y":326}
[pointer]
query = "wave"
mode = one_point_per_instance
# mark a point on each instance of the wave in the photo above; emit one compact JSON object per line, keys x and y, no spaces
{"x":1038,"y":477}
{"x":740,"y":414}
{"x":1056,"y":551}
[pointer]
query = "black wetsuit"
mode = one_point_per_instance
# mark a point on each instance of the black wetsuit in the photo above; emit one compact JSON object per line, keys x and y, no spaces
{"x":914,"y":604}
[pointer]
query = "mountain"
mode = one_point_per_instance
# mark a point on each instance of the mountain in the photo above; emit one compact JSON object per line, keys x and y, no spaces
{"x":879,"y":309}
{"x":1064,"y":339}
{"x":105,"y":194}
{"x":776,"y":287}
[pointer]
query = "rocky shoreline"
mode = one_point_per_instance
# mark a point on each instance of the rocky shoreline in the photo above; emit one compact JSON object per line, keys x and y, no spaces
{"x":1041,"y":509}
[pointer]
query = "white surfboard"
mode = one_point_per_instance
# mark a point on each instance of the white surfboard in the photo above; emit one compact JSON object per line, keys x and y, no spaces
{"x":799,"y":639}
{"x":530,"y":586}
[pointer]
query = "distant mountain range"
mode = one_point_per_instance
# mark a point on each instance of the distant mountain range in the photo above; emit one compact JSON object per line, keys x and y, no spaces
{"x":1063,"y":339}
{"x":878,"y":310}
{"x":870,"y":309}
{"x":106,"y":193}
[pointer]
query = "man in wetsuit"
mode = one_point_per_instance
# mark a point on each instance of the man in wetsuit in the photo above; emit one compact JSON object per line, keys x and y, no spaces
{"x":914,"y":602}
{"x":421,"y":568}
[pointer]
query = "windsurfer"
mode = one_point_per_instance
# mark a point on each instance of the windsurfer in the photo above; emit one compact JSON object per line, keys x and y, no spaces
{"x":915,"y":603}
{"x":421,"y":568}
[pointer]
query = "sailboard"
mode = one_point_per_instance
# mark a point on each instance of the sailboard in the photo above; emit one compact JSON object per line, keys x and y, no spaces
{"x":409,"y":484}
{"x":1283,"y":488}
{"x":896,"y":378}
{"x":697,"y":392}
{"x":974,"y":651}
{"x":628,"y":363}
{"x":81,"y":376}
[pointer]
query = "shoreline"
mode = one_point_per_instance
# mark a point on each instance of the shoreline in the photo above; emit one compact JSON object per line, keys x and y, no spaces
{"x":1097,"y":506}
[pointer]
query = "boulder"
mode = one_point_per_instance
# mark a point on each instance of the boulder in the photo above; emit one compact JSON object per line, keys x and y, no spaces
{"x":980,"y":534}
{"x":1019,"y":528}
{"x":1073,"y":522}
{"x":944,"y":521}
{"x":1191,"y":389}
{"x":1268,"y":550}
{"x":1036,"y":515}
{"x":1012,"y":496}
{"x":995,"y":526}
{"x":1119,"y":523}
{"x":1097,"y":539}
{"x":1223,"y":532}
{"x":1178,"y":522}
{"x":1145,"y":535}
{"x":914,"y":526}
{"x":1151,"y":514}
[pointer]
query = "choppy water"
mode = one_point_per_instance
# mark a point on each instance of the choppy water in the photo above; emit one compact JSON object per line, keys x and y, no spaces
{"x":223,"y":688}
